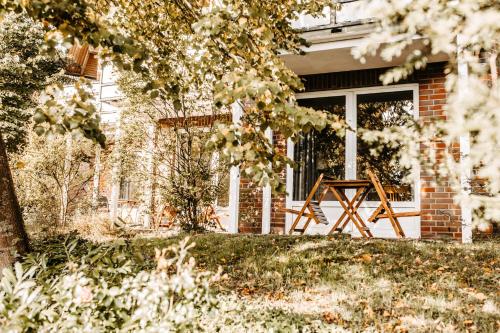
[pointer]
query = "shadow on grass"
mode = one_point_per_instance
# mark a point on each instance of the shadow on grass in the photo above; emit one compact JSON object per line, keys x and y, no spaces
{"x":386,"y":285}
{"x":390,"y":285}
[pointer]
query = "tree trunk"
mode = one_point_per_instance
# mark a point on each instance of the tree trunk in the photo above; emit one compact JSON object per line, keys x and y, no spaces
{"x":63,"y":211}
{"x":13,"y":237}
{"x":97,"y":177}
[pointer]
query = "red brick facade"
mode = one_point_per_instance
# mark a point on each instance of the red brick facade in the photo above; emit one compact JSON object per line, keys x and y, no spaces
{"x":250,"y":213}
{"x":440,"y":217}
{"x":278,"y":202}
{"x":250,"y":220}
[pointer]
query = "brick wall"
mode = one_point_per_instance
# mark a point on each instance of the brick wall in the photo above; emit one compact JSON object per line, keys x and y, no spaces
{"x":278,"y":202}
{"x":250,"y":213}
{"x":440,"y":216}
{"x":251,"y":202}
{"x":250,"y":220}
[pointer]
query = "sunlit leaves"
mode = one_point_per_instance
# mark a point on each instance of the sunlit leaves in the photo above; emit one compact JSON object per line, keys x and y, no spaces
{"x":75,"y":114}
{"x":232,"y":46}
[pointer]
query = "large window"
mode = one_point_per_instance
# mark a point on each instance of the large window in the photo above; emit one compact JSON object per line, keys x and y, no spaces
{"x":349,"y":156}
{"x":319,"y":152}
{"x":376,"y":112}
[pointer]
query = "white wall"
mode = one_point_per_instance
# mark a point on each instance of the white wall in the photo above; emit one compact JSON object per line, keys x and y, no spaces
{"x":348,"y":12}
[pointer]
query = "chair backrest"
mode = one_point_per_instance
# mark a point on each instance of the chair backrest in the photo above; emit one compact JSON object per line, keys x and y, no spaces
{"x":313,"y":190}
{"x":396,"y":193}
{"x":377,"y":184}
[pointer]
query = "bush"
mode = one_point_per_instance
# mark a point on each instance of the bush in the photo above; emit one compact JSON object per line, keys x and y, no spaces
{"x":53,"y":177}
{"x":101,"y":295}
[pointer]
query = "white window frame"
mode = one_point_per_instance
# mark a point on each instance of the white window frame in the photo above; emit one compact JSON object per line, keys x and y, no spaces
{"x":351,"y":144}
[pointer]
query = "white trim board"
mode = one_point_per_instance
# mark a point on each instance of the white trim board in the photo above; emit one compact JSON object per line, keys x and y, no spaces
{"x":234,"y":180}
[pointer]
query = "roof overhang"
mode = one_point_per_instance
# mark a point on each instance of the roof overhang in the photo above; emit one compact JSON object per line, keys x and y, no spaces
{"x":330,"y":51}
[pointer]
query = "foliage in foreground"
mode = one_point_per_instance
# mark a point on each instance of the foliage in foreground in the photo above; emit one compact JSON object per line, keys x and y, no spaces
{"x":86,"y":287}
{"x":100,"y":296}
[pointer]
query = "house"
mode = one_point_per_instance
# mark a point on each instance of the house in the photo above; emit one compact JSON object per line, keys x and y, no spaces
{"x":336,"y":82}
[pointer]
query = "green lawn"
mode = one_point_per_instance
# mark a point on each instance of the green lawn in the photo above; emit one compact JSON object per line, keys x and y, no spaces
{"x":341,"y":284}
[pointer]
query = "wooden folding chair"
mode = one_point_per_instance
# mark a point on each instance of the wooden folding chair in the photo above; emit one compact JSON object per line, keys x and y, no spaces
{"x":314,"y":211}
{"x":211,"y":216}
{"x":165,"y":218}
{"x":384,"y":210}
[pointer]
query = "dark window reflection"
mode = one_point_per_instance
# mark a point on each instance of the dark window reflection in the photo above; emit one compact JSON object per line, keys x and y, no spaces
{"x":319,"y":152}
{"x":376,"y":112}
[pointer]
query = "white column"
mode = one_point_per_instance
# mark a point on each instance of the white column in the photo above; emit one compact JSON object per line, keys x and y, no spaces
{"x":351,"y":149}
{"x":214,"y":165}
{"x":289,"y":185}
{"x":465,"y":168}
{"x":115,"y":173}
{"x":96,"y":178}
{"x":351,"y":139}
{"x":97,"y":161}
{"x":267,"y":197}
{"x":465,"y":209}
{"x":234,"y":181}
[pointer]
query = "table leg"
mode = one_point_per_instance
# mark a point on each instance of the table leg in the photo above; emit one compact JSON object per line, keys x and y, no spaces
{"x":341,"y":218}
{"x":354,"y":210}
{"x":350,"y":215}
{"x":359,"y":197}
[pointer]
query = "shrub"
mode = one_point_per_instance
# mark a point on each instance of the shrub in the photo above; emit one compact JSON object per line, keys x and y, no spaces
{"x":53,"y":177}
{"x":95,"y":296}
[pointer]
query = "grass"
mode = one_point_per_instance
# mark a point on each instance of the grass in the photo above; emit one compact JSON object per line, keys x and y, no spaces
{"x":351,"y":285}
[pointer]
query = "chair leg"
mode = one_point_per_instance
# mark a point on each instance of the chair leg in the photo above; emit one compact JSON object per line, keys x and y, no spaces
{"x":306,"y":225}
{"x":295,"y":222}
{"x":384,"y":202}
{"x":395,"y":221}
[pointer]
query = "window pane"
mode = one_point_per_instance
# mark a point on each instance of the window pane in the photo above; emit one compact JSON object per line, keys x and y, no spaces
{"x":319,"y":152}
{"x":376,"y":112}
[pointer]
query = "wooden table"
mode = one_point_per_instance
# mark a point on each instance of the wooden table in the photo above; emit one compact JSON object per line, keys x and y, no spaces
{"x":350,"y":206}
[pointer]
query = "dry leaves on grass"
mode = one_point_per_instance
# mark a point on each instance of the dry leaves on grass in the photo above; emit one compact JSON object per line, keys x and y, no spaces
{"x":333,"y":318}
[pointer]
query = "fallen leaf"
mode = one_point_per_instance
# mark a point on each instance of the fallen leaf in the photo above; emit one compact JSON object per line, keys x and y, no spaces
{"x":247,"y":291}
{"x":331,"y":317}
{"x":366,"y":258}
{"x":20,"y":165}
